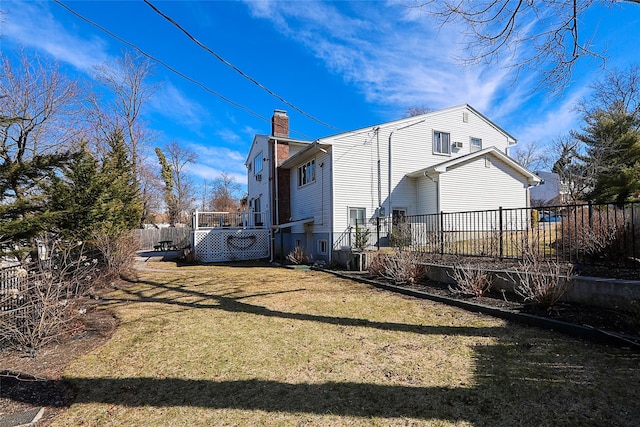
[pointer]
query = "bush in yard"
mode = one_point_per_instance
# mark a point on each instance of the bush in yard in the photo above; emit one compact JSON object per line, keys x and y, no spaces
{"x":541,"y":282}
{"x":297,"y":256}
{"x":401,"y":267}
{"x":39,"y":302}
{"x":596,"y":233}
{"x":117,"y":252}
{"x":470,"y":280}
{"x":362,"y":237}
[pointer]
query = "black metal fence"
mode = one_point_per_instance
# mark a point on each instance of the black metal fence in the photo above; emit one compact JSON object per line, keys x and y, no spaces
{"x":585,"y":233}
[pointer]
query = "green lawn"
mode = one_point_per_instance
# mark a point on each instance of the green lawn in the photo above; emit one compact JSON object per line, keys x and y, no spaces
{"x":250,"y":346}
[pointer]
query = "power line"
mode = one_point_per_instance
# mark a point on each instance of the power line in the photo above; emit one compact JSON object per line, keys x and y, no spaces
{"x":168,"y":67}
{"x":239,"y":71}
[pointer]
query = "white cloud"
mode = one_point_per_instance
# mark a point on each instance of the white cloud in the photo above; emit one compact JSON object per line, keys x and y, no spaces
{"x":221,"y":159}
{"x":171,"y":102}
{"x":543,"y":125}
{"x":395,"y":55}
{"x":32,"y":25}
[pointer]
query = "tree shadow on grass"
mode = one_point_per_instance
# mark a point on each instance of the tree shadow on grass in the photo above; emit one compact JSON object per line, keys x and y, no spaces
{"x":512,"y":387}
{"x":522,"y":380}
{"x":193,"y":299}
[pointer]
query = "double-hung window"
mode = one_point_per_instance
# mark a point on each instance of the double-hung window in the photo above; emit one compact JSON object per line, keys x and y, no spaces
{"x":357,"y":216}
{"x":475,"y":144}
{"x":441,"y":143}
{"x":307,"y":173}
{"x":257,"y":164}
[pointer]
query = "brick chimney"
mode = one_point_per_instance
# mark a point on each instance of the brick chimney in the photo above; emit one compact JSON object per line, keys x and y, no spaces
{"x":280,"y":124}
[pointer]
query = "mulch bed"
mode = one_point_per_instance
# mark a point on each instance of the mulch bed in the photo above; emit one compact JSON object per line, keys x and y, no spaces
{"x":29,"y":381}
{"x":624,"y":324}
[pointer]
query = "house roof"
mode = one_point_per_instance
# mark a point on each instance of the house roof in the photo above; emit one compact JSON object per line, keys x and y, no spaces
{"x":305,"y":154}
{"x":407,"y":120}
{"x":262,"y":137}
{"x":490,"y":151}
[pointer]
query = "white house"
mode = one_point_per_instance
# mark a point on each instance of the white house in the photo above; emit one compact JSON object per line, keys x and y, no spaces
{"x":313,"y":193}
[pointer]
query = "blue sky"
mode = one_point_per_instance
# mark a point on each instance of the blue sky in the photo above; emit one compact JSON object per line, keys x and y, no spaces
{"x":348,"y":64}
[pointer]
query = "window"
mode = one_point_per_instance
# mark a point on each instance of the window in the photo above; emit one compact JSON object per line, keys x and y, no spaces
{"x":441,"y":143}
{"x":357,"y":216}
{"x":322,"y":247}
{"x":476,"y":144}
{"x":257,"y":214}
{"x":307,"y":173}
{"x":257,"y":164}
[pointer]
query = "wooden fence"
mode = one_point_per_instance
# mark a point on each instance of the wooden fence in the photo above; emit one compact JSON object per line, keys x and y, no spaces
{"x":148,"y":238}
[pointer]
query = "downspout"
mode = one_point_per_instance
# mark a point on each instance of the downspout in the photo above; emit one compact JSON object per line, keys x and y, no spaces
{"x":389,"y":175}
{"x":274,"y":168}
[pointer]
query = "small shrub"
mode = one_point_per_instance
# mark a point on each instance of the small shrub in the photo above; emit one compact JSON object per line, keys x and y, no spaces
{"x":401,"y":267}
{"x":38,"y":304}
{"x":362,"y":237}
{"x":595,"y":234}
{"x":117,"y":252}
{"x":400,"y":235}
{"x":471,"y":280}
{"x":297,"y":256}
{"x":542,"y":283}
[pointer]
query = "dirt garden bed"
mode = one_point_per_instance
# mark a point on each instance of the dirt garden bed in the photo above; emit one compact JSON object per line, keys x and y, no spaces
{"x":610,"y":321}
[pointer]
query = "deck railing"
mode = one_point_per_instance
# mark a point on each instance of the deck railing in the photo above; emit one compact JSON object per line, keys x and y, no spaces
{"x":230,"y":220}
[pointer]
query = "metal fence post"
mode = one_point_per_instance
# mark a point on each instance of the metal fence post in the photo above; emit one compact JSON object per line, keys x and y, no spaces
{"x":441,"y":233}
{"x":501,"y":233}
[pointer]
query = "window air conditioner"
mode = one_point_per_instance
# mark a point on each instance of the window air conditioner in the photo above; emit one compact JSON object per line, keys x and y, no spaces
{"x":457,"y":144}
{"x":259,"y":177}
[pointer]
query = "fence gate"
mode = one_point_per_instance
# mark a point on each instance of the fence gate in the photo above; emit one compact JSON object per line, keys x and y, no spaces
{"x":231,"y":245}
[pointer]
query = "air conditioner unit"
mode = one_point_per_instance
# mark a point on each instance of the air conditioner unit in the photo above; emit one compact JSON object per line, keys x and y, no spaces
{"x":457,"y":144}
{"x":259,"y":177}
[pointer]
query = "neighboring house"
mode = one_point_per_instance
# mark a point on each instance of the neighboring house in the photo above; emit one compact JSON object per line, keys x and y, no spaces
{"x":550,"y":192}
{"x":313,"y":193}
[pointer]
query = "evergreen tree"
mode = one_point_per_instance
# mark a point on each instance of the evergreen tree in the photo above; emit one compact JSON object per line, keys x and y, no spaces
{"x":613,"y":140}
{"x":74,"y":195}
{"x":119,"y":204}
{"x":612,"y":136}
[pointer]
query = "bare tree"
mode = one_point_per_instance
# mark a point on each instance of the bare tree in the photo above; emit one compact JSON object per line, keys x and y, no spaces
{"x":501,"y":30}
{"x":530,"y":155}
{"x":417,"y":110}
{"x":126,"y":82}
{"x":39,"y":106}
{"x":180,"y":158}
{"x":38,"y":109}
{"x":224,"y":194}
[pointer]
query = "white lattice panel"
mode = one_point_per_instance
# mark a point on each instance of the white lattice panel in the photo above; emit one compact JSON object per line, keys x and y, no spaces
{"x":231,"y":245}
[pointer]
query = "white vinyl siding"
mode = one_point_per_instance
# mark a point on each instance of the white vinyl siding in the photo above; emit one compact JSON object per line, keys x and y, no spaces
{"x":312,"y":201}
{"x":473,"y":186}
{"x":355,"y":178}
{"x":427,"y":196}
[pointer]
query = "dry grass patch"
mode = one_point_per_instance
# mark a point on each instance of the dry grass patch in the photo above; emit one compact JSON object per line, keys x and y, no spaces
{"x":216,"y":345}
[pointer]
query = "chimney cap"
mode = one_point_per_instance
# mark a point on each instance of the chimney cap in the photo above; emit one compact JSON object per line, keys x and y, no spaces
{"x":280,"y":112}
